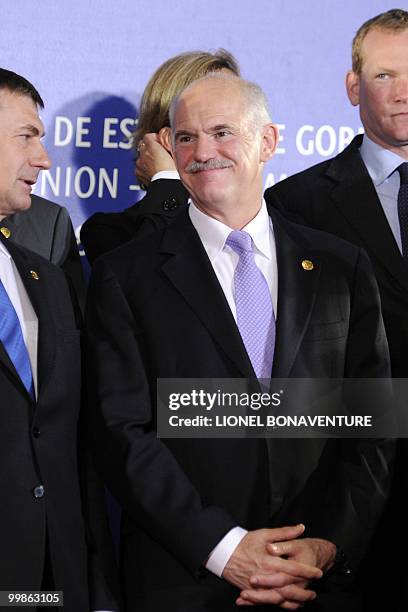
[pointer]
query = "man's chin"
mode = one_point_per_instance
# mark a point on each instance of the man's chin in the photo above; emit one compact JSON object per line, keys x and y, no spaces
{"x":20,"y":205}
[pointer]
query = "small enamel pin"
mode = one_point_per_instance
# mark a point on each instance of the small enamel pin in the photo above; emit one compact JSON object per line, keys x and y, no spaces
{"x":34,"y":274}
{"x":307,"y":264}
{"x":5,"y":231}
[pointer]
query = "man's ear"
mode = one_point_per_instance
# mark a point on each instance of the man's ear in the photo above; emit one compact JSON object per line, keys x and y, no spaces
{"x":164,"y":137}
{"x":270,"y":139}
{"x":353,"y":87}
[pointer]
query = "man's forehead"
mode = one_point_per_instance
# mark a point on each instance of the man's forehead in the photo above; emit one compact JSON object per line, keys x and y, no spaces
{"x":15,"y":101}
{"x":19,"y":109}
{"x":393,"y":40}
{"x":212,"y":101}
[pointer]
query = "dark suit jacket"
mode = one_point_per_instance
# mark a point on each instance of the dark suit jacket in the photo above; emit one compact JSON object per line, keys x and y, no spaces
{"x":103,"y":232}
{"x":46,"y":229}
{"x":155,"y":310}
{"x":39,"y":447}
{"x":338,"y":196}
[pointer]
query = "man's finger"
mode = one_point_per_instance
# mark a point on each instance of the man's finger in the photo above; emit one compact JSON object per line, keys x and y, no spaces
{"x":241,"y":602}
{"x":294,"y":568}
{"x":282,"y":548}
{"x":280,"y":534}
{"x":290,"y":593}
{"x":275,"y":580}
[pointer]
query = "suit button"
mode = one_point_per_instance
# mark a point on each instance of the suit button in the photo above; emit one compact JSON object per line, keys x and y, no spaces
{"x":36,"y":432}
{"x":38,"y":491}
{"x":170,"y":204}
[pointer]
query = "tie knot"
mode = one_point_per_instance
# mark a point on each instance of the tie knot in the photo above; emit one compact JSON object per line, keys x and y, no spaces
{"x":239,"y":241}
{"x":403,"y":172}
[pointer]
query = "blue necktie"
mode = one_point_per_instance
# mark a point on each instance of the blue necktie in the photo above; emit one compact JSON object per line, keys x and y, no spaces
{"x":403,"y":207}
{"x":255,"y":317}
{"x":12,"y":338}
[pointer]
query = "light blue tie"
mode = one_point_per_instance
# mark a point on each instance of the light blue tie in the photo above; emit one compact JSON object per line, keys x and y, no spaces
{"x":12,"y":338}
{"x":255,"y":317}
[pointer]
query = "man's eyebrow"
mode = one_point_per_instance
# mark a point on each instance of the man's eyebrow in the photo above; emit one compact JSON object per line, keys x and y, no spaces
{"x":182,"y":133}
{"x":34,"y":131}
{"x":221,"y":126}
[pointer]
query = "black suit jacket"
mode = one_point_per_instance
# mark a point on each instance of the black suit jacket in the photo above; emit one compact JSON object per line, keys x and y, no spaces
{"x":46,"y":229}
{"x":103,"y":232}
{"x":39,"y":447}
{"x":156,"y":309}
{"x":338,"y":196}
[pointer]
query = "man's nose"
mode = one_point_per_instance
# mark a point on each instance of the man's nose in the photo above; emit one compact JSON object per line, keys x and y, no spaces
{"x":401,"y":89}
{"x":40,"y":158}
{"x":204,"y":149}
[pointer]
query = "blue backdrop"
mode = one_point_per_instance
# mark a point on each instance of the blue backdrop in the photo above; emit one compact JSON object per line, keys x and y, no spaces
{"x":91,"y":61}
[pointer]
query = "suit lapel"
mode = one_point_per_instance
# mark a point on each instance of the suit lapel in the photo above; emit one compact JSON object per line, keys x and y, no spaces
{"x":355,"y":196}
{"x":31,"y":276}
{"x":297,"y":287}
{"x":190,"y":271}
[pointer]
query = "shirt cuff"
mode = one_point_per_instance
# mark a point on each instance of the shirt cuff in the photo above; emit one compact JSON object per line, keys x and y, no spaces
{"x":165,"y":174}
{"x":220,"y":555}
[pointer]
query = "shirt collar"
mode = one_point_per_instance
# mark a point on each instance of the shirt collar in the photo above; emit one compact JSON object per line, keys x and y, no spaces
{"x":4,"y":251}
{"x":214,"y":234}
{"x":380,"y":162}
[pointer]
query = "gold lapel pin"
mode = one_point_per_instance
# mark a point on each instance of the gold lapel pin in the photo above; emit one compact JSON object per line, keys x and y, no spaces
{"x":307,"y":264}
{"x":34,"y":274}
{"x":5,"y":231}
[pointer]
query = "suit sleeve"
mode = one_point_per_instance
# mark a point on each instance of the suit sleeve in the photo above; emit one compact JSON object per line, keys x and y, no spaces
{"x":65,"y":254}
{"x":139,"y":469}
{"x":103,"y":232}
{"x":359,"y":487}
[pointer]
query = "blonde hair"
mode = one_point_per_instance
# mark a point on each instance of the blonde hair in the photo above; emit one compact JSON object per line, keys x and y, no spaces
{"x":171,"y":78}
{"x":395,"y":20}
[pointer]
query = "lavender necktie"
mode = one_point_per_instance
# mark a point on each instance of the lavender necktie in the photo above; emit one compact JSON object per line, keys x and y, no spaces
{"x":403,"y":206}
{"x":255,"y":317}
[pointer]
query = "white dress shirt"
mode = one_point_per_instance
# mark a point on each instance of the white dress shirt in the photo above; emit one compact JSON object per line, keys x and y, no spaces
{"x":224,"y":259}
{"x":17,"y":293}
{"x":166,"y":174}
{"x":381,"y":165}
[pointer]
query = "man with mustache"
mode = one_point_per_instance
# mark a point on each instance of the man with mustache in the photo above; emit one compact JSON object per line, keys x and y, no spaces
{"x":209,"y":524}
{"x":45,"y":542}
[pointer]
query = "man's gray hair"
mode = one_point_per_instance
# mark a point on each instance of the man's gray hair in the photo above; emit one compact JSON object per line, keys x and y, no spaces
{"x":253,"y":96}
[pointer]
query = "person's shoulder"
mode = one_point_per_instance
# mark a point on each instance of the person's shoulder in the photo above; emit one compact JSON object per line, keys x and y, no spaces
{"x":315,"y":239}
{"x":105,"y":219}
{"x":44,"y":210}
{"x":300,"y":180}
{"x":320,"y":175}
{"x":23,"y":255}
{"x":140,"y":255}
{"x":103,"y":232}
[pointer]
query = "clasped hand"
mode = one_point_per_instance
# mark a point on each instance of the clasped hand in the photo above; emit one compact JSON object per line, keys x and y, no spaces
{"x":274,"y":566}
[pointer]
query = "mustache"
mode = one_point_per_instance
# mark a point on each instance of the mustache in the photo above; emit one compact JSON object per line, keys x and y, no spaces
{"x":211,"y":164}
